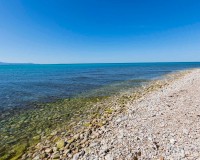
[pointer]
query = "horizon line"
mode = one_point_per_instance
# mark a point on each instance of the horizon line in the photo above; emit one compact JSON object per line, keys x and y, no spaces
{"x":96,"y":62}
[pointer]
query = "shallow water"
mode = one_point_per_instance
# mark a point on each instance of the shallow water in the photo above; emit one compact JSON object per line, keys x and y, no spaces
{"x":23,"y":84}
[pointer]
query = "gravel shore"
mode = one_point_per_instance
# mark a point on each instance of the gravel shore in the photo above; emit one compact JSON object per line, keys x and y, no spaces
{"x":161,"y":122}
{"x":164,"y":124}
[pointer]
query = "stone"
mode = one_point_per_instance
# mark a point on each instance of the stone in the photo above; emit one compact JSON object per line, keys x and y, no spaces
{"x":172,"y":141}
{"x":84,"y":140}
{"x":161,"y":158}
{"x":93,"y":144}
{"x":109,"y":157}
{"x":54,"y":133}
{"x":77,"y":136}
{"x":49,"y":150}
{"x":185,"y":131}
{"x":71,"y":140}
{"x":70,"y":155}
{"x":66,"y":151}
{"x":81,"y":136}
{"x":88,"y":133}
{"x":43,"y":155}
{"x":121,"y":134}
{"x":182,"y":154}
{"x":60,"y":144}
{"x":81,"y":153}
{"x":121,"y":119}
{"x":55,"y":149}
{"x":104,"y":149}
{"x":56,"y":156}
{"x":76,"y":156}
{"x":36,"y":157}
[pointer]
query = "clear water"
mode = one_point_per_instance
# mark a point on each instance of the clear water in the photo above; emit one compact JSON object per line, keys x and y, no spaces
{"x":23,"y":84}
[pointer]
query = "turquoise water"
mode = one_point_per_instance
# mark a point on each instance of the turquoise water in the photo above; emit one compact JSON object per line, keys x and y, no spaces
{"x":24,"y":84}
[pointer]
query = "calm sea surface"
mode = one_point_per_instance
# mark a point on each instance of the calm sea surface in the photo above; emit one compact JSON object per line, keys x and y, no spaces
{"x":24,"y":84}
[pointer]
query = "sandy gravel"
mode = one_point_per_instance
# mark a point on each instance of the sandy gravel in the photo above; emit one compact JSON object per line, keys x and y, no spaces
{"x":164,"y":124}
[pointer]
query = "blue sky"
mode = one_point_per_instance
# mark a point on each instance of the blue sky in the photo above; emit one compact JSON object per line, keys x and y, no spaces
{"x":90,"y":31}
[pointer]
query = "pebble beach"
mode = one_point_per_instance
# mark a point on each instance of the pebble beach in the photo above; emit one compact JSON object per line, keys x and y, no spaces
{"x":159,"y":121}
{"x":99,"y":80}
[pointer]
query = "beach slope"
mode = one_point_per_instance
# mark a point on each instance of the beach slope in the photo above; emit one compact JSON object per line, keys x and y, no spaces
{"x":163,"y":124}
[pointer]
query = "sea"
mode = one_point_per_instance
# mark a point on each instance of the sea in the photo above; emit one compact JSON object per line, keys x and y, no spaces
{"x":22,"y":84}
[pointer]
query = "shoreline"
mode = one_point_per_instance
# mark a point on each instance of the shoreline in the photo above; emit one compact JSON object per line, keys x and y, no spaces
{"x":163,"y":124}
{"x":68,"y":144}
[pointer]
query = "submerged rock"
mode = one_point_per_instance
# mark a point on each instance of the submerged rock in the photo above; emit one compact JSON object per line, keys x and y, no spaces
{"x":60,"y":144}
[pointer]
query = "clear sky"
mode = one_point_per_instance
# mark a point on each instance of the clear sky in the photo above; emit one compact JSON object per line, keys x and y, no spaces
{"x":90,"y":31}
